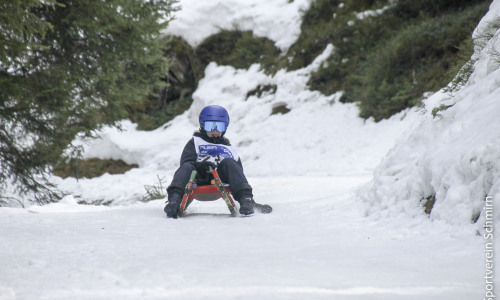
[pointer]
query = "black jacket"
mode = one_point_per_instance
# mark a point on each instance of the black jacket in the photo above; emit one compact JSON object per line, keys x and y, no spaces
{"x":229,"y":170}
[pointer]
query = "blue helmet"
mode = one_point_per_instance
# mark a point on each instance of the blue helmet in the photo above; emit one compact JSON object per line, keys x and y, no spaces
{"x":214,"y":113}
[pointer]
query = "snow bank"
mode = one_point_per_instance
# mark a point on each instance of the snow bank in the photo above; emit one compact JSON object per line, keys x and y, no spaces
{"x":278,"y":20}
{"x":454,"y":157}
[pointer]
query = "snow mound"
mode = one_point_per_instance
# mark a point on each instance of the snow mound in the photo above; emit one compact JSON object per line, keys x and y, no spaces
{"x":278,"y":20}
{"x":453,"y":158}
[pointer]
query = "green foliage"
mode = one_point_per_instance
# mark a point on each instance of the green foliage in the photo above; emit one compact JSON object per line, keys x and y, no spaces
{"x":182,"y":76}
{"x":415,"y":60}
{"x":436,"y":110}
{"x":72,"y":68}
{"x":326,"y":22}
{"x":239,"y":49}
{"x":90,"y":168}
{"x":155,"y":191}
{"x":262,"y":89}
{"x":20,"y":27}
{"x":461,"y":70}
{"x":410,"y":9}
{"x":280,"y":109}
{"x":386,"y":62}
{"x":428,"y":203}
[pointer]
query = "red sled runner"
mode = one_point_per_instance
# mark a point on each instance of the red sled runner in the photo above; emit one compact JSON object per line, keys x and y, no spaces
{"x":214,"y":191}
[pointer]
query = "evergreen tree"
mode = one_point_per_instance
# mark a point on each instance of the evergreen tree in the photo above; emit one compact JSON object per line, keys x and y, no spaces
{"x":68,"y":67}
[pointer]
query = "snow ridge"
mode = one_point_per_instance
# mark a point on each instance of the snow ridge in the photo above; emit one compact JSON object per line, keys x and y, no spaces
{"x":278,"y":20}
{"x":453,"y":158}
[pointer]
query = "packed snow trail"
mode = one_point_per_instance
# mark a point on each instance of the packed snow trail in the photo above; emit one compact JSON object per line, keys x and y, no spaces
{"x":317,"y":244}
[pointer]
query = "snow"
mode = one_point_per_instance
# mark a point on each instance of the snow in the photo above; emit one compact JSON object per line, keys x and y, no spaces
{"x":347,"y":221}
{"x":372,"y":13}
{"x":277,"y":20}
{"x":305,"y":249}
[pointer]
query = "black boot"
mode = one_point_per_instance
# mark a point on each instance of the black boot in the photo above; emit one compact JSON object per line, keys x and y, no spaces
{"x":246,"y":206}
{"x":263,"y":208}
{"x":173,"y":204}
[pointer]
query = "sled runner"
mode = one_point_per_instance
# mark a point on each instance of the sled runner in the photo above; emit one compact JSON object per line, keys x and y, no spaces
{"x":214,"y":191}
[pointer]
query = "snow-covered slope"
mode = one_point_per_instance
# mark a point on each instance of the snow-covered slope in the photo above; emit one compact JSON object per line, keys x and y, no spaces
{"x":454,"y":156}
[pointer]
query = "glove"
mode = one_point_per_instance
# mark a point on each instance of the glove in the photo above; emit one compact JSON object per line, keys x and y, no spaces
{"x":204,"y":166}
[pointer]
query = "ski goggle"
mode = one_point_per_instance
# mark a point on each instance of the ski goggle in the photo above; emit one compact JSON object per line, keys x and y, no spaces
{"x":212,"y":125}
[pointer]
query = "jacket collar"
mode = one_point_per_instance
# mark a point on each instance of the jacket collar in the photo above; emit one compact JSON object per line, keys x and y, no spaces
{"x":206,"y":138}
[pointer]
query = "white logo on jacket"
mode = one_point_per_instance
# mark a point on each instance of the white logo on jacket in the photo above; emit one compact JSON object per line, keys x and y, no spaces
{"x":215,"y":152}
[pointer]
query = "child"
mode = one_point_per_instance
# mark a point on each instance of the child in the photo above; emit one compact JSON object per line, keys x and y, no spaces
{"x":209,"y":148}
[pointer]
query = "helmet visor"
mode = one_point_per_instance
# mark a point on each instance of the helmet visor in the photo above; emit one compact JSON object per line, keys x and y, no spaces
{"x":213,"y":125}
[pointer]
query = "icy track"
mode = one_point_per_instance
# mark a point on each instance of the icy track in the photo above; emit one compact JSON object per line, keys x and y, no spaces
{"x":317,"y":244}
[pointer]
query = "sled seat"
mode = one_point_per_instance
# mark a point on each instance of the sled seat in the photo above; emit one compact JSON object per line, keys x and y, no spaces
{"x":209,"y":192}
